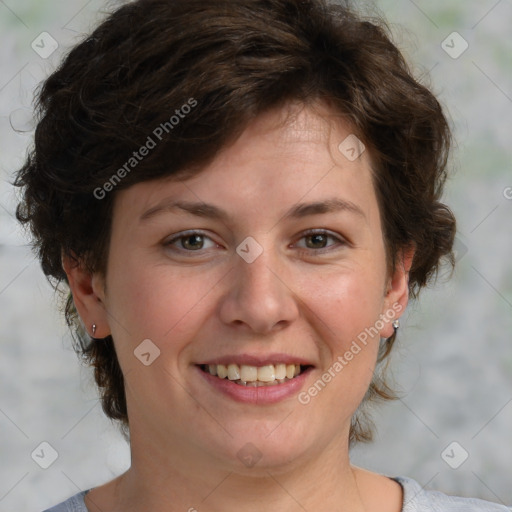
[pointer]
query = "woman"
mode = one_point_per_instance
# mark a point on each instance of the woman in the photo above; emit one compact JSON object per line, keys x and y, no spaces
{"x":242,"y":196}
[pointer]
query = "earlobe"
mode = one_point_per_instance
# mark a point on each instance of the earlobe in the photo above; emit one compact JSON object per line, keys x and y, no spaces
{"x":397,"y":293}
{"x":87,"y":290}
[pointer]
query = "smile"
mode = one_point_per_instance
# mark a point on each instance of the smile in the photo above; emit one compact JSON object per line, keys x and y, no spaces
{"x":255,"y":376}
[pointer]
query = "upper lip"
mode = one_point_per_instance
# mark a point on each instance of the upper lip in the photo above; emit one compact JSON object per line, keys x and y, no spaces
{"x":258,"y":360}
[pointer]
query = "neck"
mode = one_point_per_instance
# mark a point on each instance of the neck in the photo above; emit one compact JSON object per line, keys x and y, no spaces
{"x":178,"y":479}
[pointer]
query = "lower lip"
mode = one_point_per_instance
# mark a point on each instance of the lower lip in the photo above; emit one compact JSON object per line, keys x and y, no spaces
{"x":256,"y":395}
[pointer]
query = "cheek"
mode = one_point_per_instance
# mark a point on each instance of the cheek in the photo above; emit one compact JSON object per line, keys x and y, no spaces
{"x":157,"y":302}
{"x":346,"y":303}
{"x":347,"y":311}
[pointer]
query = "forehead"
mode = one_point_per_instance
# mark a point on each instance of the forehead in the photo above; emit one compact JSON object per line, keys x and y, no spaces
{"x":283,"y":156}
{"x":296,"y":123}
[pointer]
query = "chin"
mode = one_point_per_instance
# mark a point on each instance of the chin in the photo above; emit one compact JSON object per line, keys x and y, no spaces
{"x":256,"y":451}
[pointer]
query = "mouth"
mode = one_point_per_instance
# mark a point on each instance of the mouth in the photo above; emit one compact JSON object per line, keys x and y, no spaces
{"x":255,"y":376}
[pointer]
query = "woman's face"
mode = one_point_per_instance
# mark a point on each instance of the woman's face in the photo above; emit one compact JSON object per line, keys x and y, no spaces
{"x":272,"y":255}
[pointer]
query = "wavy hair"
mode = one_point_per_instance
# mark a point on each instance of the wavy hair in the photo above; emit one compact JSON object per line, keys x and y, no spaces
{"x":238,"y":58}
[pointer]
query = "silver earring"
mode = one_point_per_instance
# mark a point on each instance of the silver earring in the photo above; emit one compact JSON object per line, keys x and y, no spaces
{"x":396,"y":325}
{"x":93,"y":330}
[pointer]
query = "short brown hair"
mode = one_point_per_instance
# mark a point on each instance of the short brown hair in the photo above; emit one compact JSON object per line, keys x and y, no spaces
{"x":237,"y":59}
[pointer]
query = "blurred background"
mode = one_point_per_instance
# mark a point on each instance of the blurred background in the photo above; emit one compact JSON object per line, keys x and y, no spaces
{"x":451,"y":428}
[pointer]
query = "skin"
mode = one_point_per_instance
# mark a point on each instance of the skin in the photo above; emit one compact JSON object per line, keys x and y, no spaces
{"x":302,"y":296}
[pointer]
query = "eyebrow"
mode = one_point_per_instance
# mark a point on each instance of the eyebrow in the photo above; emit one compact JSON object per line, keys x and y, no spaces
{"x":211,"y":211}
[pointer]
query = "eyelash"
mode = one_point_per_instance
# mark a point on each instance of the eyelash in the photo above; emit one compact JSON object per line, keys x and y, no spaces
{"x":187,"y":234}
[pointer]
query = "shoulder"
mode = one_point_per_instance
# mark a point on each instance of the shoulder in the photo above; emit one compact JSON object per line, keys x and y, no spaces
{"x":417,"y":499}
{"x":74,"y":504}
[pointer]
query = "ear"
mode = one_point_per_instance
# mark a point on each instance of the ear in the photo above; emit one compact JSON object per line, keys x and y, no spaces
{"x":88,"y":292}
{"x":397,"y":291}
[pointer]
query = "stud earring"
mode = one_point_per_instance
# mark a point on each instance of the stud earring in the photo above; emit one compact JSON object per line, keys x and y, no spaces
{"x":93,"y":330}
{"x":396,"y":325}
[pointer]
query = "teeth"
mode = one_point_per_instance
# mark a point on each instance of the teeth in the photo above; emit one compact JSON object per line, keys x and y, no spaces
{"x":281,"y":371}
{"x":233,"y":372}
{"x":254,"y":376}
{"x":222,"y":371}
{"x":248,"y":373}
{"x":267,"y":373}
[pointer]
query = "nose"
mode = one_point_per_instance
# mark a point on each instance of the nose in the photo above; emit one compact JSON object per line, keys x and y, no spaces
{"x":259,"y":295}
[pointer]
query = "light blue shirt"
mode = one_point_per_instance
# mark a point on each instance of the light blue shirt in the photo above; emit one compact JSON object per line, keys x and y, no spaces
{"x":416,"y":499}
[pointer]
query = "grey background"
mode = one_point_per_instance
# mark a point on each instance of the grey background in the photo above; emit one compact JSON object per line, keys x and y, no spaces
{"x":453,"y":362}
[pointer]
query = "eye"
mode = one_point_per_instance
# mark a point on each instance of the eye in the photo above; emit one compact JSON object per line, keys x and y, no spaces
{"x":190,"y":241}
{"x":195,"y":241}
{"x":317,"y":240}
